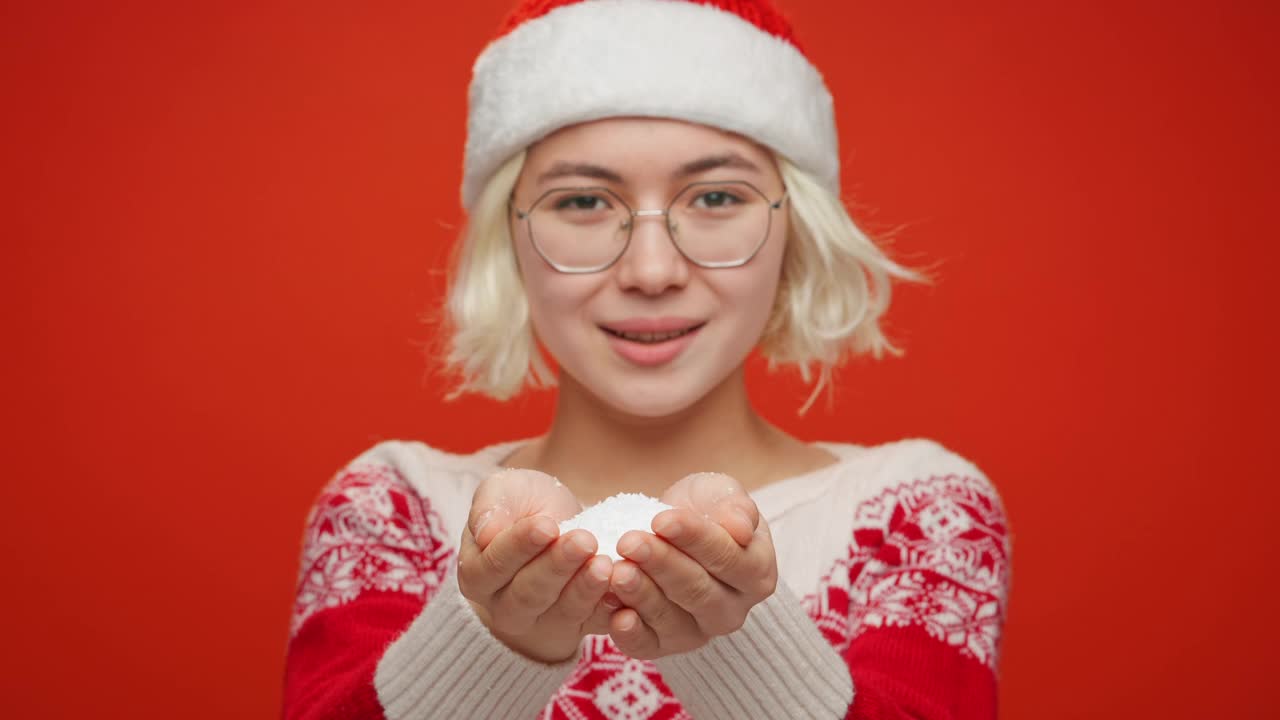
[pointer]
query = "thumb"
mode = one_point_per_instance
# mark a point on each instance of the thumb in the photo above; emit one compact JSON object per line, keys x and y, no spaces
{"x":512,"y":494}
{"x":722,"y":499}
{"x":486,"y":521}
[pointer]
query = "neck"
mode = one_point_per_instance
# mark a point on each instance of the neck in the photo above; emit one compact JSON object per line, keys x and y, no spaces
{"x":597,"y":451}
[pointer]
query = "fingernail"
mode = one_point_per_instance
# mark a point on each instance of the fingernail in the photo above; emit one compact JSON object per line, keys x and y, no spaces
{"x":600,"y":570}
{"x":540,"y":536}
{"x":628,"y":623}
{"x":634,"y":549}
{"x":578,"y":550}
{"x":671,"y":530}
{"x":626,"y":577}
{"x":611,"y":601}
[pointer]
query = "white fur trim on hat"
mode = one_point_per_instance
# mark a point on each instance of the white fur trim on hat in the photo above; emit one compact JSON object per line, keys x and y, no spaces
{"x":650,"y":58}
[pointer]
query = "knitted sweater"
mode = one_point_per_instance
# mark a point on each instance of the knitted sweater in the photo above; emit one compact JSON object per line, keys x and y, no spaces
{"x":893,"y":565}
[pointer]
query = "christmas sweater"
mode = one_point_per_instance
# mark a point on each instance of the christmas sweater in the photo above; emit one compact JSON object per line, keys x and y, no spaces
{"x":893,"y":577}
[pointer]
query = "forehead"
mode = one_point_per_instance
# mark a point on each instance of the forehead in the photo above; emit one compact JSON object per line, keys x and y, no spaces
{"x":641,"y":147}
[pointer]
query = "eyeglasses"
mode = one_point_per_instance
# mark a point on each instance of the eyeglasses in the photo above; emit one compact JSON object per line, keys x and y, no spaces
{"x":713,"y":225}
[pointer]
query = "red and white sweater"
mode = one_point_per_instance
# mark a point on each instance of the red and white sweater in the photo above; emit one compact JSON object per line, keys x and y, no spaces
{"x":894,"y":572}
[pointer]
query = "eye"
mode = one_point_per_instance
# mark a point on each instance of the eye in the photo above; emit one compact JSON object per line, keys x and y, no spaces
{"x":716,"y":199}
{"x":584,"y":203}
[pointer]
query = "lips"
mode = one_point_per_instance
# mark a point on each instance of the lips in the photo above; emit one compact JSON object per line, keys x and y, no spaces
{"x":650,"y":337}
{"x":652,"y":326}
{"x":651,"y":341}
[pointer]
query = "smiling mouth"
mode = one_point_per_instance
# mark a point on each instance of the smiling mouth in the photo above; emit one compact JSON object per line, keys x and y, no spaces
{"x":651,"y":338}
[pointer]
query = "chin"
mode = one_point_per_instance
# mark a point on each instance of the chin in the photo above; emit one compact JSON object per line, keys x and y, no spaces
{"x":651,"y":408}
{"x":651,"y":398}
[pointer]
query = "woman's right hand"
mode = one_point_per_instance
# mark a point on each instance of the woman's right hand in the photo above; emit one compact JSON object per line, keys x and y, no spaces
{"x":537,"y":592}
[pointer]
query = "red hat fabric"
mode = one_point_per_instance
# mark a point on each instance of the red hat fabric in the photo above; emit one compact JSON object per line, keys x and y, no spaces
{"x":731,"y":65}
{"x":761,"y":14}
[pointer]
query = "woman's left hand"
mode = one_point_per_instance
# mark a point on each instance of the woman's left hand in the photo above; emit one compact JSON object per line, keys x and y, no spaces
{"x":709,"y":561}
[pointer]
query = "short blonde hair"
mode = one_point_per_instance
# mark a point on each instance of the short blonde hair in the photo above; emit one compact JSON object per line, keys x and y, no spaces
{"x":835,"y":286}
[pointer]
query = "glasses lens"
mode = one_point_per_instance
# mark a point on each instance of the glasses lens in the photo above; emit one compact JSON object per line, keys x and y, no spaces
{"x":579,"y":228}
{"x":720,"y":223}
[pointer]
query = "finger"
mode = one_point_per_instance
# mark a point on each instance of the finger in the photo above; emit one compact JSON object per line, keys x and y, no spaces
{"x":514,"y":493}
{"x":751,"y":571}
{"x":709,"y":544}
{"x":510,"y":550}
{"x":632,"y":636}
{"x":538,"y":585}
{"x":598,"y":623}
{"x":581,"y":597}
{"x":487,"y":522}
{"x":675,"y":628}
{"x":739,"y":520}
{"x":758,"y":576}
{"x":491,"y":506}
{"x":720,"y":497}
{"x":468,"y":551}
{"x":710,"y":602}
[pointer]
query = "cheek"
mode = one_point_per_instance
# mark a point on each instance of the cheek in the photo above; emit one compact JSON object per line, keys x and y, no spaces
{"x":538,"y":279}
{"x":558,"y":303}
{"x":760,"y":301}
{"x":755,"y":292}
{"x":748,"y":301}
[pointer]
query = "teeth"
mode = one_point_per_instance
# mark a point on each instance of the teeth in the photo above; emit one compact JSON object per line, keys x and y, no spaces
{"x":651,"y":337}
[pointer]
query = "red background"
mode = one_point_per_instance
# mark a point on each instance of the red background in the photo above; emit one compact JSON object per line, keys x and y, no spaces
{"x":224,"y":221}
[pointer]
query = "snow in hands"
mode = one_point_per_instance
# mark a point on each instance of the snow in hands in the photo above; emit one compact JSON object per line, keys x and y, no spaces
{"x":613,"y":517}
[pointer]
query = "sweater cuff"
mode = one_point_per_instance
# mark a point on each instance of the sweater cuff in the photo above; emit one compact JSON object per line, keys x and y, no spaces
{"x":777,"y":665}
{"x":448,"y":664}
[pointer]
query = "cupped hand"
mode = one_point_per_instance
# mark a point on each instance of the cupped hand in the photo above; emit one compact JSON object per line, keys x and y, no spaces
{"x":537,"y":591}
{"x":707,"y":563}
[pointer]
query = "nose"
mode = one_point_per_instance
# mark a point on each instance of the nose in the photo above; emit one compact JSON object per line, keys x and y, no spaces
{"x":651,"y":263}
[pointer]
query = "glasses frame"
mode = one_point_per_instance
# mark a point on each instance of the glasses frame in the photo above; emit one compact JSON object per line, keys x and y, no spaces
{"x":629,"y":224}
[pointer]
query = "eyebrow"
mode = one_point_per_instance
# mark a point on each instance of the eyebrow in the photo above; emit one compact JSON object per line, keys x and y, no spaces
{"x":727,"y":160}
{"x":689,"y":169}
{"x":566,"y":169}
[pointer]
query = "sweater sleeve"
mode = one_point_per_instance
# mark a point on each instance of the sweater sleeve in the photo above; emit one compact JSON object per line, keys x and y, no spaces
{"x":379,"y":628}
{"x":906,"y":626}
{"x":923,"y":595}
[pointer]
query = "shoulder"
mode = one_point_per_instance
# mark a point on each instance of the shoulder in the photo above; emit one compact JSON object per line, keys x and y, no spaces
{"x":921,"y":497}
{"x":407,"y":481}
{"x":862,"y":473}
{"x":867,"y":471}
{"x":388,"y":521}
{"x":910,"y":481}
{"x":912,"y":498}
{"x":422,"y":468}
{"x":911,"y":456}
{"x":920,"y":489}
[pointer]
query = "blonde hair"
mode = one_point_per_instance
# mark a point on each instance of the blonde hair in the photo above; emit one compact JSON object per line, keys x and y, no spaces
{"x":835,"y":286}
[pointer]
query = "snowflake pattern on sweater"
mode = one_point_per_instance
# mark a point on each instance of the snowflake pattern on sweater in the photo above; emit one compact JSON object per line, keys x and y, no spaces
{"x":368,"y":531}
{"x":929,"y":553}
{"x":608,"y":684}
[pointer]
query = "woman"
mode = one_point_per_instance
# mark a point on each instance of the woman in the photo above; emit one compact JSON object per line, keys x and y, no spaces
{"x":652,"y":189}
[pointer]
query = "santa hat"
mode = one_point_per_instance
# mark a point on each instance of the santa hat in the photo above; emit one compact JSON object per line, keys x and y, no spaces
{"x":730,"y":65}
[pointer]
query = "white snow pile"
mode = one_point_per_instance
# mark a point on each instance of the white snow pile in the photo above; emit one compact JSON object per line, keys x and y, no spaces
{"x":612,"y":517}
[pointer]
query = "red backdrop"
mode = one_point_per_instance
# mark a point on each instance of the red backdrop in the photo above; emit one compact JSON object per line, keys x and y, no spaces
{"x":226,"y":219}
